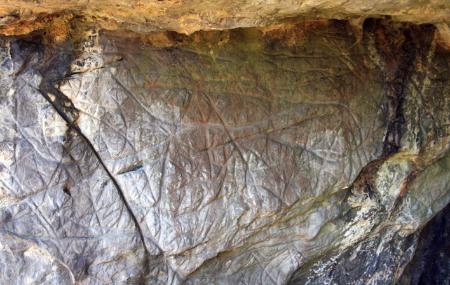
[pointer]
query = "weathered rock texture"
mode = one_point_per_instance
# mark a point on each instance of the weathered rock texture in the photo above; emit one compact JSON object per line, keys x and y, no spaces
{"x":194,"y":15}
{"x":306,"y":152}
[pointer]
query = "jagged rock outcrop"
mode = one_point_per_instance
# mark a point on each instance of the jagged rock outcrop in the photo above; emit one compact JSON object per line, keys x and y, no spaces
{"x":195,"y":15}
{"x":302,"y":152}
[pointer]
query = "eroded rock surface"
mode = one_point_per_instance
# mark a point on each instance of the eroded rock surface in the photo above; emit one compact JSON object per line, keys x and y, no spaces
{"x":195,"y":15}
{"x":305,"y":153}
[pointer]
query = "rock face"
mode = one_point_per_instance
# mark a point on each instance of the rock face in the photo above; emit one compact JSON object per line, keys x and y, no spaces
{"x":195,"y":15}
{"x":303,"y":152}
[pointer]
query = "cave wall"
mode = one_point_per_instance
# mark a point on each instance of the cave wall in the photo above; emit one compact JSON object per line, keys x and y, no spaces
{"x":310,"y":152}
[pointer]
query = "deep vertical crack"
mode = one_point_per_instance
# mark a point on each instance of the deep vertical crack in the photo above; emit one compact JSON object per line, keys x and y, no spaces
{"x":45,"y":93}
{"x":396,"y":53}
{"x":396,"y":90}
{"x":53,"y":68}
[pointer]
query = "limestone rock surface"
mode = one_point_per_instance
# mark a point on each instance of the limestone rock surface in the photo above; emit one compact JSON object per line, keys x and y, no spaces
{"x":292,"y":152}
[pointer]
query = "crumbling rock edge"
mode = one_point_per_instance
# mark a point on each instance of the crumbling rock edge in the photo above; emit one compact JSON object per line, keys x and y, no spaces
{"x":190,"y":16}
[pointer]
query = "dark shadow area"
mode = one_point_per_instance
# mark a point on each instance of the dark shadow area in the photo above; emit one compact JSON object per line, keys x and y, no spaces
{"x":431,"y":261}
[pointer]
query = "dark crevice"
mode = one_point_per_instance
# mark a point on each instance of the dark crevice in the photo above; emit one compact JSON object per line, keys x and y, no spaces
{"x":397,"y":50}
{"x":431,"y":260}
{"x":396,"y":97}
{"x":398,"y":47}
{"x":132,"y":168}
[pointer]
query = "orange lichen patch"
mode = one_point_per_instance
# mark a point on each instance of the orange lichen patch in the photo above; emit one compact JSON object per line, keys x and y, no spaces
{"x":55,"y":24}
{"x":58,"y":30}
{"x":21,"y":28}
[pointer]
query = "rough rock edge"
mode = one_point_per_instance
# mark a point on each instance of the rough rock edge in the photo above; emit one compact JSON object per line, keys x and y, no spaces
{"x":190,"y":16}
